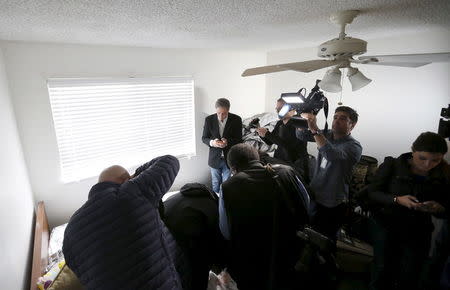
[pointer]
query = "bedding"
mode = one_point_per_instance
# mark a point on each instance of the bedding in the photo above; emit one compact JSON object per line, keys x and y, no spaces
{"x":58,"y":278}
{"x":249,"y":135}
{"x":57,"y":274}
{"x":56,"y":239}
{"x":55,"y":254}
{"x":66,"y":280}
{"x":45,"y":281}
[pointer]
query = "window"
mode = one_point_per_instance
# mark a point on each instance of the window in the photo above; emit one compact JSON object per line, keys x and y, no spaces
{"x":102,"y":122}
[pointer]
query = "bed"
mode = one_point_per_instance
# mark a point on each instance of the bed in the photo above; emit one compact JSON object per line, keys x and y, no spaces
{"x":40,"y":248}
{"x":58,"y":276}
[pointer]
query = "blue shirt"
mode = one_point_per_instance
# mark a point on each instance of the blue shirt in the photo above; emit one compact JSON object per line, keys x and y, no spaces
{"x":334,"y":167}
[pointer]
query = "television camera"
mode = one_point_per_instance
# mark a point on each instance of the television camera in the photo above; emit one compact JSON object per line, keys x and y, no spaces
{"x":297,"y":102}
{"x":444,"y":123}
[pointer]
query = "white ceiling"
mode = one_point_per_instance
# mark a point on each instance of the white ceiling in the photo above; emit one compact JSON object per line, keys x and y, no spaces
{"x":257,"y":24}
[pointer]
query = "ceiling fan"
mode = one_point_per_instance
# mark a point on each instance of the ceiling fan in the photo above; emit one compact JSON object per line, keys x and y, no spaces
{"x":339,"y":52}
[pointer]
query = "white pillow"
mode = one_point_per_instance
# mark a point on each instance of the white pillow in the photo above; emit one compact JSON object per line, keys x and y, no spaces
{"x":56,"y":239}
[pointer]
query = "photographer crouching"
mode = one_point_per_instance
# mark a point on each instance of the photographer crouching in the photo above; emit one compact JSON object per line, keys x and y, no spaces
{"x":338,"y":153}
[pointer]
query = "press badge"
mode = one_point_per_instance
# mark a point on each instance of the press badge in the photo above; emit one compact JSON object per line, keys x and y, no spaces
{"x":323,"y":163}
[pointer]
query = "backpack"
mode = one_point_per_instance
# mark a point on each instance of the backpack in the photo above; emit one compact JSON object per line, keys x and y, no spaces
{"x":316,"y":251}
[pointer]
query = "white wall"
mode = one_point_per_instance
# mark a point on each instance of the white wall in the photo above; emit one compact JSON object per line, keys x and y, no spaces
{"x":216,"y":74}
{"x":16,"y":198}
{"x":398,"y":105}
{"x":395,"y":108}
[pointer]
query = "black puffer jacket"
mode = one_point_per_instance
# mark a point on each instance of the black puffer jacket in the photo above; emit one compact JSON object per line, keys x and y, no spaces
{"x":117,"y":240}
{"x":394,"y":178}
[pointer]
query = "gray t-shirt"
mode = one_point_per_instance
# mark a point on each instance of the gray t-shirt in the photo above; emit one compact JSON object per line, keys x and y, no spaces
{"x":333,"y":170}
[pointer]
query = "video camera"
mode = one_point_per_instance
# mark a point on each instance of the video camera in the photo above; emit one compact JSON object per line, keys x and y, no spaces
{"x":444,"y":123}
{"x":301,"y":104}
{"x":316,"y":246}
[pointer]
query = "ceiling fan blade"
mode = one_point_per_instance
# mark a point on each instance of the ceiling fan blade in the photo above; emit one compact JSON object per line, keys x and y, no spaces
{"x":406,"y":60}
{"x":401,"y":64}
{"x":303,"y":66}
{"x":264,"y":70}
{"x":311,"y":65}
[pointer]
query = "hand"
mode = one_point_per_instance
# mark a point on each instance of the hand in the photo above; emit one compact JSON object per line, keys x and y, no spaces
{"x":217,"y":143}
{"x":312,"y":121}
{"x":125,"y":177}
{"x":224,"y":142}
{"x":220,"y":143}
{"x":408,"y":201}
{"x":291,"y":113}
{"x":431,"y":206}
{"x":262,"y":131}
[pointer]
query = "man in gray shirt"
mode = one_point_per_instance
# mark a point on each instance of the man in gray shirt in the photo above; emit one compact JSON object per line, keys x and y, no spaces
{"x":338,"y":153}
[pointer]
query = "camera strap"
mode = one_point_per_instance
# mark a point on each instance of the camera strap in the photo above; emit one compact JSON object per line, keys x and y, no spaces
{"x":325,"y":112}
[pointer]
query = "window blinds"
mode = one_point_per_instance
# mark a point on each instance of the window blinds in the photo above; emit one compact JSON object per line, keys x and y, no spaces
{"x":102,"y":122}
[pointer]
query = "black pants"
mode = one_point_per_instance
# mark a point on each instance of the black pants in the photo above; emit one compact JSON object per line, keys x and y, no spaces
{"x":398,"y":257}
{"x":328,"y":220}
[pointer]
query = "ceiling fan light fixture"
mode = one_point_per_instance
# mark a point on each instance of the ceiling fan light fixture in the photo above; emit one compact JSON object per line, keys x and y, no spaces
{"x":357,"y":79}
{"x":331,"y":82}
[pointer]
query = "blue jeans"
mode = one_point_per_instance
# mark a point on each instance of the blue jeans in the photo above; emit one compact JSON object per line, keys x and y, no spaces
{"x":219,"y":175}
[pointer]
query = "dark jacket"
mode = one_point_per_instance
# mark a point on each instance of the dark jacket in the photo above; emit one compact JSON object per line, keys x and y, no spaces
{"x":250,"y":198}
{"x":117,"y":240}
{"x":232,"y":132}
{"x":394,"y":178}
{"x":192,"y":216}
{"x":290,"y":148}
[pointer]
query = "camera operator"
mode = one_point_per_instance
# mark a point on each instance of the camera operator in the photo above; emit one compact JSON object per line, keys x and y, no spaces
{"x":338,"y":153}
{"x":290,"y":149}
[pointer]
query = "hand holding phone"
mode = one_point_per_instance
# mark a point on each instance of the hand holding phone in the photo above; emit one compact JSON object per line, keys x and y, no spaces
{"x":217,"y":143}
{"x":430,"y":206}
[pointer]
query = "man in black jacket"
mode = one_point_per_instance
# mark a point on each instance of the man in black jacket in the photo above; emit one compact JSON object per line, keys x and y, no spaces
{"x":117,"y":240}
{"x":192,"y":216}
{"x":260,"y":218}
{"x":289,"y":148}
{"x":221,"y":131}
